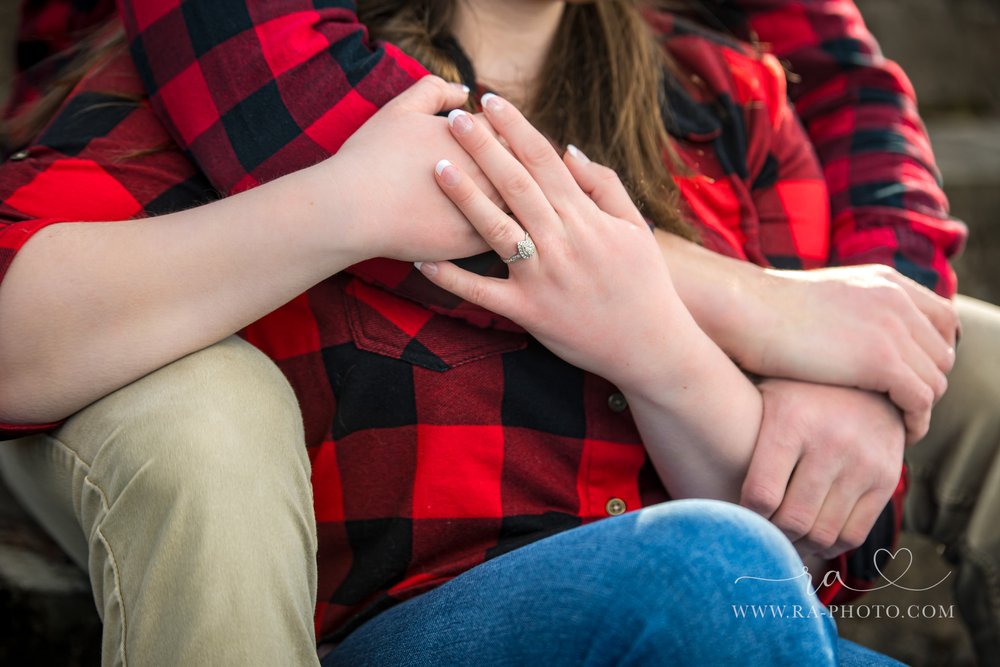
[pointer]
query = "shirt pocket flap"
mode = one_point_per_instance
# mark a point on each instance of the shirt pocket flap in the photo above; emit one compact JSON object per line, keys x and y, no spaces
{"x":402,"y":329}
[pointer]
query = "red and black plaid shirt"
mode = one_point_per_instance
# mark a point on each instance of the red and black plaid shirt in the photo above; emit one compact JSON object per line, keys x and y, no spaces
{"x":411,"y":486}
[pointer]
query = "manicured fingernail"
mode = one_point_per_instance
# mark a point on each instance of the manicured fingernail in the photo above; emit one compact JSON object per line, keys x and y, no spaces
{"x":447,"y":171}
{"x":426,"y":268}
{"x":460,"y":120}
{"x":578,"y":154}
{"x":491,"y":102}
{"x":461,"y":86}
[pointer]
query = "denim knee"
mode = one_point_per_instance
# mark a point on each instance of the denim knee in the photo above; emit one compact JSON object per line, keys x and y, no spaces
{"x":707,"y":571}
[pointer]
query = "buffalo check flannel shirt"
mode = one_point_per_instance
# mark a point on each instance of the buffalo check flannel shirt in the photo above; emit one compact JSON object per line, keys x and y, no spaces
{"x":403,"y":501}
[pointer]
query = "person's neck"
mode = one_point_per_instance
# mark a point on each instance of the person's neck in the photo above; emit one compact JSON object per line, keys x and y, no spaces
{"x":507,"y":42}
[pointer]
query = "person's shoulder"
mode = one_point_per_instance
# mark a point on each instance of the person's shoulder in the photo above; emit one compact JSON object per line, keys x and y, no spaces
{"x":710,"y":64}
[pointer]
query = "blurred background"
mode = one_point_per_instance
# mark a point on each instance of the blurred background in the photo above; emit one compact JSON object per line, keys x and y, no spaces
{"x":950,"y":50}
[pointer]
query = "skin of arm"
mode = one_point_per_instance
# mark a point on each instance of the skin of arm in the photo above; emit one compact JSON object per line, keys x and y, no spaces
{"x":599,"y":295}
{"x":758,"y":319}
{"x":866,"y":327}
{"x":729,"y":299}
{"x":88,"y":308}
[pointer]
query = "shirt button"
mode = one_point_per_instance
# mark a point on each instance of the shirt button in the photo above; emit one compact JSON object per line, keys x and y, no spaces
{"x":20,"y":155}
{"x":615,"y":507}
{"x":617,"y":402}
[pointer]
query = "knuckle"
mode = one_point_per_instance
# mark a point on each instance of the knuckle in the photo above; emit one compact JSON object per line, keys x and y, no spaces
{"x":852,"y":538}
{"x":761,"y":498}
{"x":477,"y":293}
{"x":892,"y":294}
{"x":538,"y":153}
{"x":882,"y":271}
{"x":498,"y":229}
{"x":517,"y":184}
{"x":950,"y":315}
{"x":478,"y":140}
{"x":891,"y":464}
{"x":823,"y":537}
{"x":887,"y":272}
{"x":948,"y":363}
{"x":886,"y":480}
{"x":940,"y":386}
{"x":925,"y":398}
{"x":883,"y":349}
{"x":464,"y":194}
{"x":607,"y":175}
{"x":794,"y":525}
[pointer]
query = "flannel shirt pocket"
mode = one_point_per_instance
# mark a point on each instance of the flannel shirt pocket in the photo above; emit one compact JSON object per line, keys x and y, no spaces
{"x":398,"y":328}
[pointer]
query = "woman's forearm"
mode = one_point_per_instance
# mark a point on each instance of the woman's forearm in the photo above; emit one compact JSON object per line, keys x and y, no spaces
{"x":86,"y":308}
{"x":699,"y":431}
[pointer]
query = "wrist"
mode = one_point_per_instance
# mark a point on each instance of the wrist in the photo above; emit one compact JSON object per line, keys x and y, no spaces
{"x":334,"y":220}
{"x":690,"y":365}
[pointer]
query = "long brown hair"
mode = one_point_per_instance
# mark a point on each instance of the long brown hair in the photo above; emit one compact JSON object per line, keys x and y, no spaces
{"x":602,"y":81}
{"x":91,"y":51}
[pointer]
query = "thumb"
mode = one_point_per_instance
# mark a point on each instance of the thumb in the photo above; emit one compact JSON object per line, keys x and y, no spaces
{"x":602,"y":185}
{"x":431,"y":95}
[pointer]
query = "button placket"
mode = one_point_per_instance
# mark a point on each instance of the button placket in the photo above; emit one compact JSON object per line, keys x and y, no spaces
{"x":617,"y":402}
{"x":615,"y":507}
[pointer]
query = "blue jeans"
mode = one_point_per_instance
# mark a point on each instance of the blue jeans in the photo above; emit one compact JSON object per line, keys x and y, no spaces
{"x":653,"y":587}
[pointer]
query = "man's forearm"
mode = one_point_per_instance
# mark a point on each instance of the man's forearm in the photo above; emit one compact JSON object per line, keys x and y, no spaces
{"x":721,"y":293}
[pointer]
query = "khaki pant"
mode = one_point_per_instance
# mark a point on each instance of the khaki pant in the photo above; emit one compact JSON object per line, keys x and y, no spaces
{"x":186,"y":496}
{"x":954,"y":495}
{"x":192,"y":488}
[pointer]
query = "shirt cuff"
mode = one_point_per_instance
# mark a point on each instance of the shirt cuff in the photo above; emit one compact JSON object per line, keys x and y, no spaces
{"x":13,"y":236}
{"x":15,"y":431}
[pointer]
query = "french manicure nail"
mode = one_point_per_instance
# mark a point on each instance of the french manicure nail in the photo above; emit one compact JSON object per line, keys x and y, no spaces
{"x":426,"y":268}
{"x":491,"y":102}
{"x":461,"y":86}
{"x":578,"y":154}
{"x":447,"y":172}
{"x":460,"y":120}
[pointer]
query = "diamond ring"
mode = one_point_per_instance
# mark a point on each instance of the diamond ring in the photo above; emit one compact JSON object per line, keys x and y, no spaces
{"x":525,"y":249}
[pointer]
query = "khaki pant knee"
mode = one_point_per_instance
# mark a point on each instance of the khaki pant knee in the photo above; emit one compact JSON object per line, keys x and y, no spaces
{"x":186,"y":495}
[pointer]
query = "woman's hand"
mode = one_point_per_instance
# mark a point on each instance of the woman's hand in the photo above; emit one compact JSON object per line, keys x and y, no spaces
{"x":597,"y":293}
{"x":379,"y":187}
